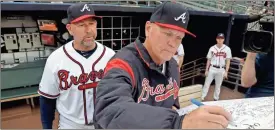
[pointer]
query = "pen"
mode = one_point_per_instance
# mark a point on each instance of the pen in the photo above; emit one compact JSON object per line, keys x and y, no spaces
{"x":198,"y":103}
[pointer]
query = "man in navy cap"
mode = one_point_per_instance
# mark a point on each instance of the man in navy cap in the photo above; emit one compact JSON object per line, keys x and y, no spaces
{"x":72,"y":71}
{"x":140,"y":85}
{"x":217,"y":66}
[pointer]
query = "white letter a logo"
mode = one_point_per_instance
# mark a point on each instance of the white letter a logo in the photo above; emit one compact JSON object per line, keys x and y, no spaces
{"x":85,"y":7}
{"x":182,"y":17}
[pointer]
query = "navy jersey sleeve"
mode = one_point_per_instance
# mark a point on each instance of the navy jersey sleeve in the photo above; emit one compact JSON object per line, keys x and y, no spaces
{"x":115,"y":107}
{"x":47,"y":111}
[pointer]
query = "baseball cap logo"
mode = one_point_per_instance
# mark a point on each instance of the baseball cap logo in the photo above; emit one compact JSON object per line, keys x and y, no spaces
{"x":182,"y":17}
{"x":85,"y":7}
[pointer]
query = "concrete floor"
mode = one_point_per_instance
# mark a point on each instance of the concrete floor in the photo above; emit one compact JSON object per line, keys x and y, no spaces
{"x":21,"y":116}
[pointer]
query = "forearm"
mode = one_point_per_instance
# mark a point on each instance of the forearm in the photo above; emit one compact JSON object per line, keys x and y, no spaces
{"x":47,"y":111}
{"x":180,"y":61}
{"x":131,"y":115}
{"x":207,"y":65}
{"x":248,"y":76}
{"x":227,"y":65}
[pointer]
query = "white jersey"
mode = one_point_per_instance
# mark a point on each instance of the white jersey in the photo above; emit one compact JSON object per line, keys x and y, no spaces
{"x":180,"y":52}
{"x":71,"y":79}
{"x":218,"y":56}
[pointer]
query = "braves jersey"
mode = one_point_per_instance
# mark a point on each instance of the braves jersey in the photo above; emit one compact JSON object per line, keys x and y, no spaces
{"x":72,"y":79}
{"x":135,"y":93}
{"x":218,"y":56}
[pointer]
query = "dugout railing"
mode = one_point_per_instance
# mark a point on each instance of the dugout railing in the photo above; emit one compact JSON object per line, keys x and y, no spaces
{"x":196,"y":68}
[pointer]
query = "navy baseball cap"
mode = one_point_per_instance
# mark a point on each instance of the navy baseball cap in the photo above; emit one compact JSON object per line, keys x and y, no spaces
{"x":80,"y":11}
{"x":220,"y":35}
{"x":171,"y":15}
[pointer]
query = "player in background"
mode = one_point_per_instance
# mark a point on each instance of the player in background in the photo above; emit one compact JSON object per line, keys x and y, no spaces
{"x":179,"y":56}
{"x":71,"y":73}
{"x":217,"y":66}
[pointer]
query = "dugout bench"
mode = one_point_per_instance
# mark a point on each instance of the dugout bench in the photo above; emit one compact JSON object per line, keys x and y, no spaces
{"x":22,"y":81}
{"x":188,"y":92}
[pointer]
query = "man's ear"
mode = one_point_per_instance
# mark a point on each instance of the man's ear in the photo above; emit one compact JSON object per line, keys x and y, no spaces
{"x":69,"y":28}
{"x":148,"y":28}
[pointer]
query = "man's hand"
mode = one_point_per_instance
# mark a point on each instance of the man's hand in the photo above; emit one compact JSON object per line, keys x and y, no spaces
{"x":206,"y":73}
{"x":207,"y":117}
{"x":174,"y":108}
{"x":225,"y":75}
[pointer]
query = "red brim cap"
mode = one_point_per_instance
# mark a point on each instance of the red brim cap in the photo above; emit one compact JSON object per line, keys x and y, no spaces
{"x":222,"y":37}
{"x":85,"y":17}
{"x":175,"y":27}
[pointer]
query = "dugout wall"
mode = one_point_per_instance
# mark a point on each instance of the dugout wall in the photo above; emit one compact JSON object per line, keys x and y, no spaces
{"x":121,"y":25}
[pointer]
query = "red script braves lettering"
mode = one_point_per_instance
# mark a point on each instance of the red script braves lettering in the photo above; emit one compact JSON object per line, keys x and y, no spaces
{"x":80,"y":80}
{"x":222,"y":54}
{"x":161,"y":92}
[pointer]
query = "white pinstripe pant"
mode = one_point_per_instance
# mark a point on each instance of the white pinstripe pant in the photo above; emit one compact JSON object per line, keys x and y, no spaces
{"x":217,"y":74}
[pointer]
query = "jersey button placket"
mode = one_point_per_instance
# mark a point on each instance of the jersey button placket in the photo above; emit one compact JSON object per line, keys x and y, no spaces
{"x":89,"y":95}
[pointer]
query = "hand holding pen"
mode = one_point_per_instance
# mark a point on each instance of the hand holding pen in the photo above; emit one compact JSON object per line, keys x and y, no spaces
{"x":206,"y":117}
{"x":198,"y":103}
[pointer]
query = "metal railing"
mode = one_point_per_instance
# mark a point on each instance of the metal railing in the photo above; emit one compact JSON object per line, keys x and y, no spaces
{"x":239,"y":7}
{"x":192,"y":69}
{"x":196,"y":68}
